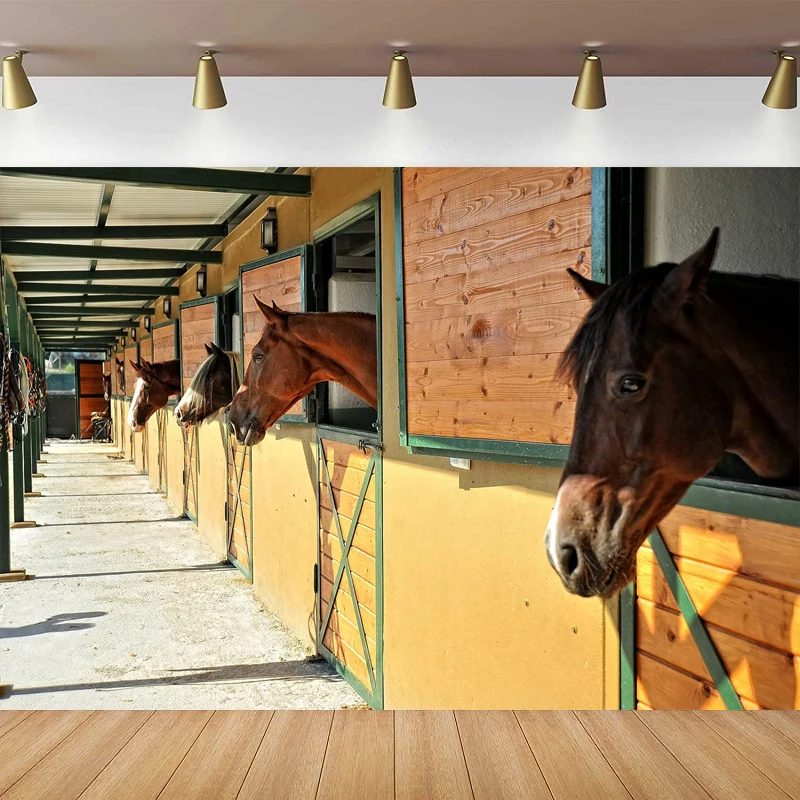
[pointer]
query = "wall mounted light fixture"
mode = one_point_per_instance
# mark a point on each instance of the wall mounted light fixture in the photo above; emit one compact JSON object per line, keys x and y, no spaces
{"x":133,"y":334}
{"x":269,"y":231}
{"x":17,"y":91}
{"x":208,"y":91}
{"x":399,"y":91}
{"x":123,"y":341}
{"x":590,"y":91}
{"x":167,"y":307}
{"x":202,"y":281}
{"x":148,"y":325}
{"x":782,"y":89}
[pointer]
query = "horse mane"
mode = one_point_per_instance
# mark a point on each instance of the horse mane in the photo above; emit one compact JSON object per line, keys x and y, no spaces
{"x":196,"y":393}
{"x":629,"y":299}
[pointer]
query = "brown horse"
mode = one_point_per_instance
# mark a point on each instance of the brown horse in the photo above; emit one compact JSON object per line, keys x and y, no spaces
{"x":119,"y":365}
{"x":106,"y":387}
{"x":672,"y":367}
{"x":212,"y":388}
{"x":296,"y":351}
{"x":155,"y":384}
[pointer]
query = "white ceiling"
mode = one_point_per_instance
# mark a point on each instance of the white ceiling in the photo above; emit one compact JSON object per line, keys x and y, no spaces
{"x":356,"y":37}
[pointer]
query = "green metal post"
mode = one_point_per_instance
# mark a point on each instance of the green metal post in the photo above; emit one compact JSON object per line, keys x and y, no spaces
{"x":5,"y":516}
{"x":19,"y":479}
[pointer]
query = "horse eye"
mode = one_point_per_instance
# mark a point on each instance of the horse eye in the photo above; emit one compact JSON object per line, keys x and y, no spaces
{"x":631,"y":384}
{"x":258,"y":356}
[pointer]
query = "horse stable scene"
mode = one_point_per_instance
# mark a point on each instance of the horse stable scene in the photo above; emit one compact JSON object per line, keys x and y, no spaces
{"x":400,"y":438}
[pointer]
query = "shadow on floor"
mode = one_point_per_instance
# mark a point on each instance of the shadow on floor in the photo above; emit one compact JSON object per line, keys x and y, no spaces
{"x":220,"y":565}
{"x":232,"y":673}
{"x":113,"y":522}
{"x":54,"y":624}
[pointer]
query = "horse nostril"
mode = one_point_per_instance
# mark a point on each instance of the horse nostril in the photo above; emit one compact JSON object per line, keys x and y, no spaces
{"x":178,"y":414}
{"x":569,"y":560}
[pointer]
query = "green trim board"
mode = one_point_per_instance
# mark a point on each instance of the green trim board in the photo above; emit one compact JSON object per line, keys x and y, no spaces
{"x":112,"y":253}
{"x":23,"y":233}
{"x":306,"y":254}
{"x":400,"y":304}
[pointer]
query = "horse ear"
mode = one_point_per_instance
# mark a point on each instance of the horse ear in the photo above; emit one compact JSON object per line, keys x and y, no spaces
{"x":272,"y":315}
{"x":215,"y":348}
{"x":137,"y":367}
{"x":208,"y":347}
{"x":687,"y":278}
{"x":592,"y":289}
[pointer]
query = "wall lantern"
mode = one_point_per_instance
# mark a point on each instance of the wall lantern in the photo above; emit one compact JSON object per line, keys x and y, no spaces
{"x":133,"y":334}
{"x":168,"y":307}
{"x":123,"y":341}
{"x":202,"y":281}
{"x":148,"y":323}
{"x":269,"y":231}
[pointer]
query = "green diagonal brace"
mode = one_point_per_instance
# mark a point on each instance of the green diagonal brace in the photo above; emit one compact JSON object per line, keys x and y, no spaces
{"x":697,"y":627}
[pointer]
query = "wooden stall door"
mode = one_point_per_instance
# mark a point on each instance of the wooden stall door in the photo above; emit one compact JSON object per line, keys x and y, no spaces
{"x":165,"y":348}
{"x":199,"y":323}
{"x":90,"y":395}
{"x":349,"y":566}
{"x":161,"y":428}
{"x":238,"y":506}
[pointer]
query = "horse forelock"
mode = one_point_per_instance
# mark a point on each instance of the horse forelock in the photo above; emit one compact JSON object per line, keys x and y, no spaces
{"x":628,"y":301}
{"x":197,"y":396}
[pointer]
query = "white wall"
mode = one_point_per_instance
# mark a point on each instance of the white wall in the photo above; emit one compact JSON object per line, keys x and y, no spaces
{"x":459,"y":121}
{"x":758,"y":211}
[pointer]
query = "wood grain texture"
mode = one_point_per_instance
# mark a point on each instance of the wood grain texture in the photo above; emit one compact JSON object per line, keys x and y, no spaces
{"x":761,"y":744}
{"x":10,"y":719}
{"x":198,"y":326}
{"x":278,"y":770}
{"x":761,"y":674}
{"x":422,"y":183}
{"x":762,"y":612}
{"x":73,"y":764}
{"x":164,"y":343}
{"x":663,"y":686}
{"x":571,"y":763}
{"x":131,"y":354}
{"x":751,"y":547}
{"x":640,"y":760}
{"x":713,"y":763}
{"x":500,"y":763}
{"x":161,"y":743}
{"x":429,"y":761}
{"x":217,"y":763}
{"x":359,"y":761}
{"x":26,"y":744}
{"x":787,"y":722}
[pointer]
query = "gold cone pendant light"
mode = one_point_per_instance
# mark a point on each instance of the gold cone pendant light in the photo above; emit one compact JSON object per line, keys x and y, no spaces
{"x":590,"y":92}
{"x":208,"y":91}
{"x":17,"y":91}
{"x":782,"y":89}
{"x":399,"y":92}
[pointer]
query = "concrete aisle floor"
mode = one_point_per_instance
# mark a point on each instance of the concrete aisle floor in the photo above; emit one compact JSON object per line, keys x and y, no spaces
{"x":129,"y":608}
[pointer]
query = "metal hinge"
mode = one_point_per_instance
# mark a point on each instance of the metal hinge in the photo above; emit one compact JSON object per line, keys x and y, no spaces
{"x":316,"y":578}
{"x":183,"y":477}
{"x":226,"y":511}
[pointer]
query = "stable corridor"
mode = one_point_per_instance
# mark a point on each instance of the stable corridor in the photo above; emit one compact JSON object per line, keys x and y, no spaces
{"x":129,"y":608}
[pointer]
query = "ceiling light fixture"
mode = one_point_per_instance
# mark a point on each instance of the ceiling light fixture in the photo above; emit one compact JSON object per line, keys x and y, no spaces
{"x":782,"y":89}
{"x":399,"y":91}
{"x":17,"y":91}
{"x":590,"y":91}
{"x":208,"y":91}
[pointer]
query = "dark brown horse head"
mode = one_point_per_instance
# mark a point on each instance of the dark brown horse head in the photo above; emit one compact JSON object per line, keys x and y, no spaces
{"x":106,"y":386}
{"x":211,"y":389}
{"x":119,"y":365}
{"x":155,"y":384}
{"x":295,"y":352}
{"x":651,"y":417}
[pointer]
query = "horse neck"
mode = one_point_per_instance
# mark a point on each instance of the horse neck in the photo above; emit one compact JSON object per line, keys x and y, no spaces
{"x":751,"y":330}
{"x":171,"y":375}
{"x":344,"y":348}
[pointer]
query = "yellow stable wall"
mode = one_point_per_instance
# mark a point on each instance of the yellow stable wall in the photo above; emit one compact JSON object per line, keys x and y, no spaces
{"x":474,"y":617}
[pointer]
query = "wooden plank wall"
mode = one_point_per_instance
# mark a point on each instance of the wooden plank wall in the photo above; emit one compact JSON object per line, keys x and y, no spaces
{"x":279,"y":282}
{"x":91,"y":387}
{"x":164,"y":343}
{"x":131,"y":354}
{"x":198,"y":326}
{"x":114,"y":374}
{"x":146,"y":347}
{"x":239,"y":507}
{"x":347,"y":468}
{"x":742,"y":575}
{"x":489,"y":306}
{"x":190,"y":468}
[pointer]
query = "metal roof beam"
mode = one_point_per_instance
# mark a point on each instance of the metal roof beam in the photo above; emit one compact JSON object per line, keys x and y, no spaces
{"x":192,"y":178}
{"x":46,"y":324}
{"x":26,"y":276}
{"x":113,"y":291}
{"x":38,"y":311}
{"x":107,"y":253}
{"x":10,"y":233}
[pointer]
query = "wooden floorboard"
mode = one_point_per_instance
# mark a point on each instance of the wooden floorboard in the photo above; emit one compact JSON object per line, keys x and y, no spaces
{"x":408,"y":755}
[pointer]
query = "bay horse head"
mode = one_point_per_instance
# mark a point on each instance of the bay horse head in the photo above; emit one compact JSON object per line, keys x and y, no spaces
{"x":155,"y":384}
{"x":654,"y":365}
{"x":119,"y":365}
{"x":106,"y":387}
{"x":296,"y":351}
{"x":211,"y":389}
